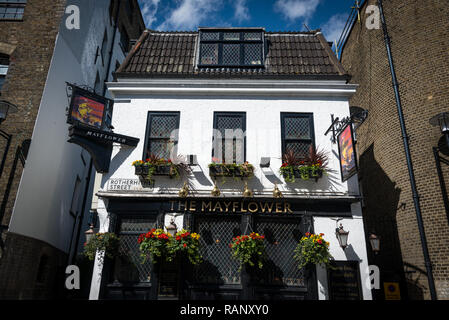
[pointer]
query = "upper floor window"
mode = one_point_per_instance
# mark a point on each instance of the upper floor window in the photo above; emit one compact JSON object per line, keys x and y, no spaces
{"x":4,"y":65}
{"x":12,"y":9}
{"x":231,"y":48}
{"x":297,"y":133}
{"x":229,"y":142}
{"x":162,"y":134}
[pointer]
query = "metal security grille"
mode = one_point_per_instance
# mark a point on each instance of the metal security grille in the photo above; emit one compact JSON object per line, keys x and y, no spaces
{"x":229,"y":139}
{"x":129,"y":266}
{"x":231,"y":54}
{"x":162,"y":135}
{"x":209,"y":54}
{"x":210,"y":36}
{"x":218,"y":266}
{"x":253,"y":54}
{"x":231,"y":48}
{"x":281,"y":239}
{"x":297,"y":133}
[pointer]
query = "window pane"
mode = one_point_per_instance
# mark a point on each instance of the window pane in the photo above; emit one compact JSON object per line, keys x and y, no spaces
{"x":300,"y":149}
{"x":209,"y":54}
{"x":161,"y":148}
{"x":229,"y":142}
{"x":231,"y":54}
{"x":210,"y":35}
{"x":231,"y":36}
{"x":252,"y":36}
{"x":3,"y":70}
{"x":128,"y":266}
{"x":297,"y":128}
{"x":2,"y":80}
{"x":162,"y":126}
{"x":253,"y":54}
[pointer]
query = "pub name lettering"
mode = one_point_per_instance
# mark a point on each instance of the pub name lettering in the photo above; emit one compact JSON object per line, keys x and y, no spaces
{"x":231,"y":206}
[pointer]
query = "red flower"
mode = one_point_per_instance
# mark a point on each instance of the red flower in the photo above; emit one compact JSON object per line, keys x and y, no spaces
{"x":178,"y":238}
{"x":319,"y":241}
{"x":185,"y":245}
{"x":307,"y":234}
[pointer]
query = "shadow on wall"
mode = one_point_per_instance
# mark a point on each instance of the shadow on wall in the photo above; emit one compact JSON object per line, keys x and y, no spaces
{"x":381,"y":205}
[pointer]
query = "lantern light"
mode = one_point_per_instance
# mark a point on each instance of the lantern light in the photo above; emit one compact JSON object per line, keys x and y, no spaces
{"x":342,"y":236}
{"x":375,"y":243}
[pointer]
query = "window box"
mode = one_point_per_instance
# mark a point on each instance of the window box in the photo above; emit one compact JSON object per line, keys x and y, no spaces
{"x":155,"y":166}
{"x":244,"y":170}
{"x":291,"y":173}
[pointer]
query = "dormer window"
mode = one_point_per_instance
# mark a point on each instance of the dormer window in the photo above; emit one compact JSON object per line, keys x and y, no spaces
{"x":231,"y":48}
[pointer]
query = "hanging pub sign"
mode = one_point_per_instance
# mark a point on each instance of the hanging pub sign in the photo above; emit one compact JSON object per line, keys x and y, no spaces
{"x":346,"y":150}
{"x":90,"y":116}
{"x":89,"y":109}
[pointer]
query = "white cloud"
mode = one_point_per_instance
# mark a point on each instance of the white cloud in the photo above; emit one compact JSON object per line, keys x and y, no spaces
{"x":334,"y":26}
{"x":149,"y":9}
{"x":189,"y":14}
{"x":295,"y":9}
{"x":241,"y":12}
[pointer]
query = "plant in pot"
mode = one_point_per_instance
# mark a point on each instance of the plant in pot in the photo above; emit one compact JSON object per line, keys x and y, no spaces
{"x":155,"y":165}
{"x":154,"y":245}
{"x":249,"y":250}
{"x":312,"y":249}
{"x":217,"y":169}
{"x":185,"y":244}
{"x":106,"y":241}
{"x":312,"y":165}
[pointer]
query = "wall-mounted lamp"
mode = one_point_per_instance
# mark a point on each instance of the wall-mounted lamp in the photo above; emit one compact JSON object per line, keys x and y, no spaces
{"x":184,"y":191}
{"x":89,"y":233}
{"x":5,"y":108}
{"x":215,"y":191}
{"x":442,"y":120}
{"x":265,"y":162}
{"x":375,"y":243}
{"x":342,"y":236}
{"x":172,"y":228}
{"x":246,"y":191}
{"x":276,"y":192}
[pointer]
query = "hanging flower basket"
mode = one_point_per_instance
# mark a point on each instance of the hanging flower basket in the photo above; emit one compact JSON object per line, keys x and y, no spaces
{"x":185,"y":244}
{"x":249,"y":249}
{"x":107,"y":242}
{"x":153,"y":244}
{"x":312,"y":249}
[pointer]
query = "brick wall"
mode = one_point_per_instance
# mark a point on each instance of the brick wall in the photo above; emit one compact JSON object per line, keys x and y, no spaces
{"x":419,"y":32}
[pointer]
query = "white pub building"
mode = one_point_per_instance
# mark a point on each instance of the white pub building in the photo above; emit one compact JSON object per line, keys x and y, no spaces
{"x":235,"y":105}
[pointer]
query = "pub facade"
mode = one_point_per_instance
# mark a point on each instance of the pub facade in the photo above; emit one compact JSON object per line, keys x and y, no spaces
{"x":240,"y":99}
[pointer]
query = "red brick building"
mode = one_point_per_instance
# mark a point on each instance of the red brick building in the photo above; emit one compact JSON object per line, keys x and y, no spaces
{"x":419,"y":32}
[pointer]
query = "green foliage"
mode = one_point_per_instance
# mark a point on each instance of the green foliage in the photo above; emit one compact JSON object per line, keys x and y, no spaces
{"x":107,"y":242}
{"x":160,"y":245}
{"x":153,"y":244}
{"x":249,"y":249}
{"x":186,"y":244}
{"x":312,"y":249}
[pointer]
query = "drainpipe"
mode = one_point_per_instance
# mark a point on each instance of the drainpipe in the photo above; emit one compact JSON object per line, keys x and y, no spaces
{"x":408,"y":157}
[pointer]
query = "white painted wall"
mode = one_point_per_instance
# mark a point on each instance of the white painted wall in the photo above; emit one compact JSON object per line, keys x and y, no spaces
{"x":263,"y":138}
{"x":46,"y":188}
{"x":196,"y":106}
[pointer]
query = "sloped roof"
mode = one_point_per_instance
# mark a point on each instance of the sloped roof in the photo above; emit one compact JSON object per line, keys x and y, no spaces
{"x":289,"y":54}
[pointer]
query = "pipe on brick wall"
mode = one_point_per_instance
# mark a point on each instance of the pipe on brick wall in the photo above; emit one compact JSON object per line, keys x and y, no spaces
{"x":411,"y":173}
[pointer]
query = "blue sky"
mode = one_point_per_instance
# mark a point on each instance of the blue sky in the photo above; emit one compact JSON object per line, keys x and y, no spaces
{"x":275,"y":15}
